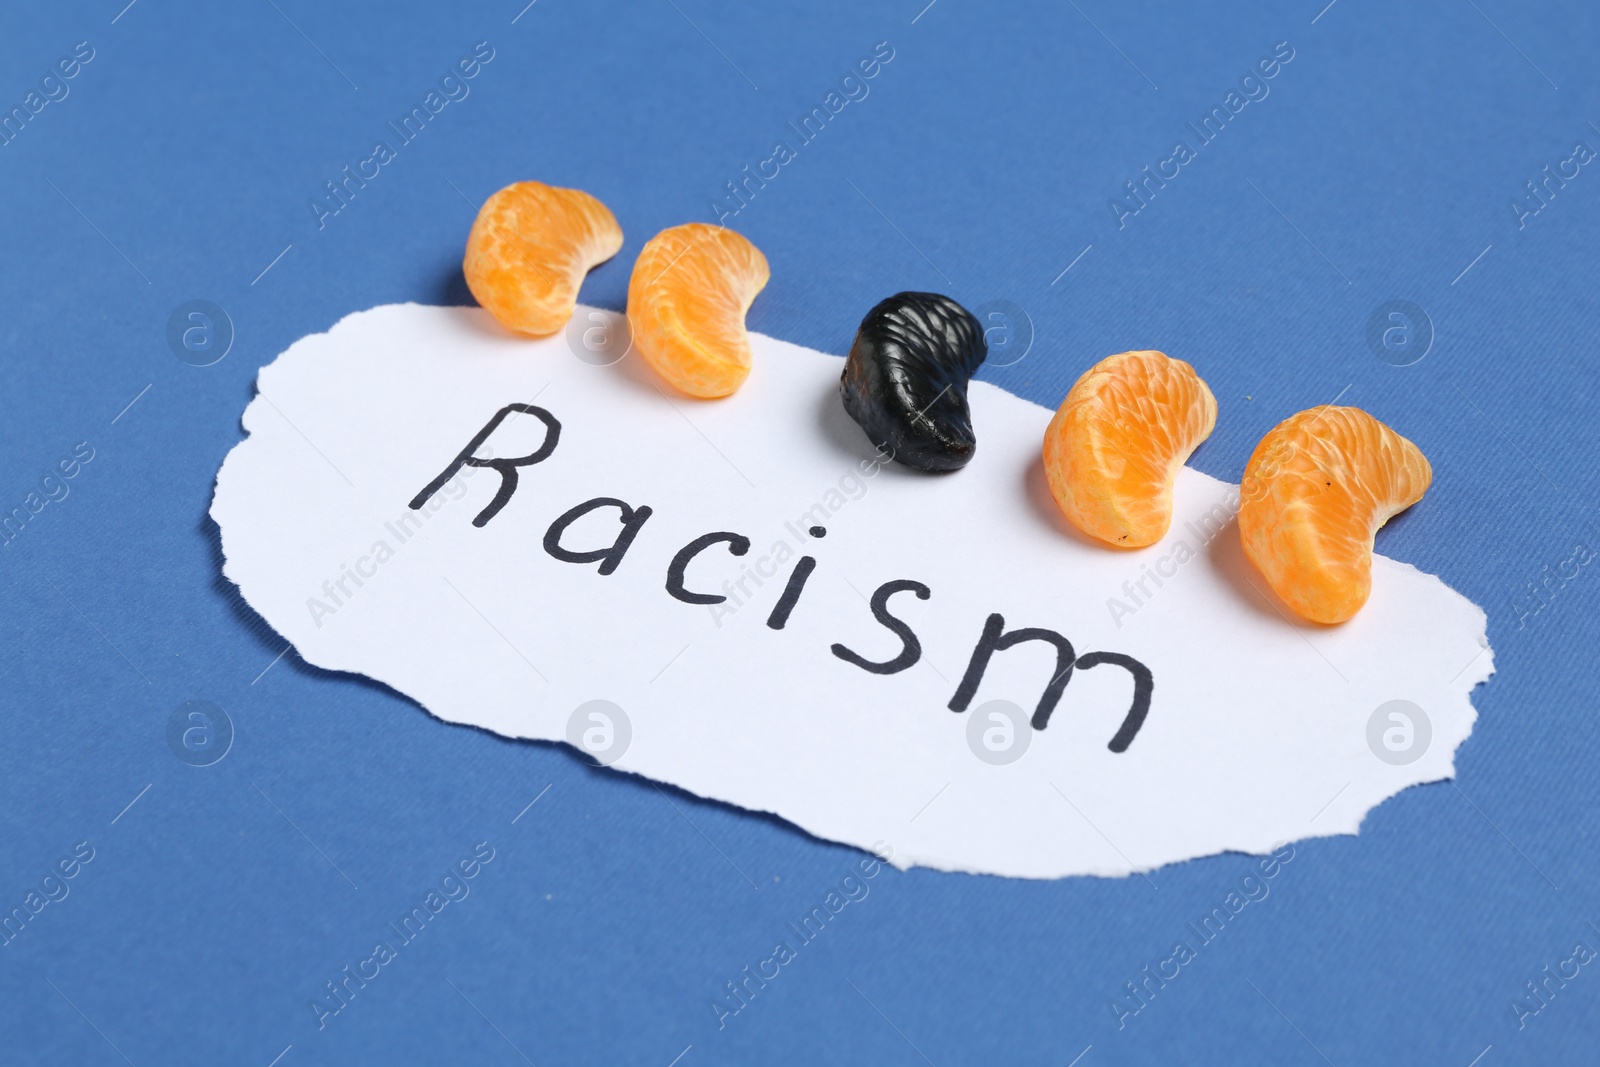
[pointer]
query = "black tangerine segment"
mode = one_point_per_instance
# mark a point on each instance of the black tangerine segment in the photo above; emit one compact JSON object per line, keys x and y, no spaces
{"x":905,"y":380}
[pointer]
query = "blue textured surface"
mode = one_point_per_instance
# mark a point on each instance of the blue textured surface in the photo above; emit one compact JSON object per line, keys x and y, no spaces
{"x":1382,"y":164}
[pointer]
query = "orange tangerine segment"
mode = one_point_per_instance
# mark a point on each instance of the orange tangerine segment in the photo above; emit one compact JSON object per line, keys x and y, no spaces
{"x":690,"y":289}
{"x":1313,"y":495}
{"x":1116,"y":444}
{"x":529,"y":250}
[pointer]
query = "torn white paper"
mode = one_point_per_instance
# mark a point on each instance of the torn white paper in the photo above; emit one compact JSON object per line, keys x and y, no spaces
{"x":502,"y":601}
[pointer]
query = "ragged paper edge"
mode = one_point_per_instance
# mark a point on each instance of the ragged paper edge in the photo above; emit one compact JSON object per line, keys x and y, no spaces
{"x":1350,"y":827}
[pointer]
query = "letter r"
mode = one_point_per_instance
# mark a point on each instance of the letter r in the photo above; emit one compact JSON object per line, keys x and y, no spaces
{"x":507,"y":467}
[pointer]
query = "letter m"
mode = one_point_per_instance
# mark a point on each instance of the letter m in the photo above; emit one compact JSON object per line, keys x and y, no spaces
{"x":17,"y":916}
{"x":804,"y":126}
{"x":418,"y":116}
{"x":17,"y":115}
{"x":816,"y":516}
{"x":14,"y":522}
{"x":996,"y":638}
{"x":414,"y":923}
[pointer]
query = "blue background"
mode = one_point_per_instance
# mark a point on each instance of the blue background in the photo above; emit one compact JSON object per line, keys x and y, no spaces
{"x":1383,"y":164}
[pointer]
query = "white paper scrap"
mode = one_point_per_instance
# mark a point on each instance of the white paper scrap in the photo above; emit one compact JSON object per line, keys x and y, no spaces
{"x":592,"y":558}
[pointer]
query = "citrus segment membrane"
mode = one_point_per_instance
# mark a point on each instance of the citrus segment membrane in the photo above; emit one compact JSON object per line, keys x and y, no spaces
{"x":687,"y":299}
{"x":1115,"y":446}
{"x":1315,"y":492}
{"x":529,"y":250}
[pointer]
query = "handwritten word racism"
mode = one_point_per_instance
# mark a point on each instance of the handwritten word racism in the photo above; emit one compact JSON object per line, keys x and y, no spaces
{"x":631,"y":519}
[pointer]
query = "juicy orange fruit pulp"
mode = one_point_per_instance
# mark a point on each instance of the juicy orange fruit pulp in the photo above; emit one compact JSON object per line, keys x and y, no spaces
{"x":1115,"y":446}
{"x":529,"y":250}
{"x":1314,"y":493}
{"x":690,"y":289}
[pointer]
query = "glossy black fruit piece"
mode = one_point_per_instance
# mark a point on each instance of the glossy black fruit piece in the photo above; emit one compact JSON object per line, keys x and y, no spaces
{"x":905,"y":381}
